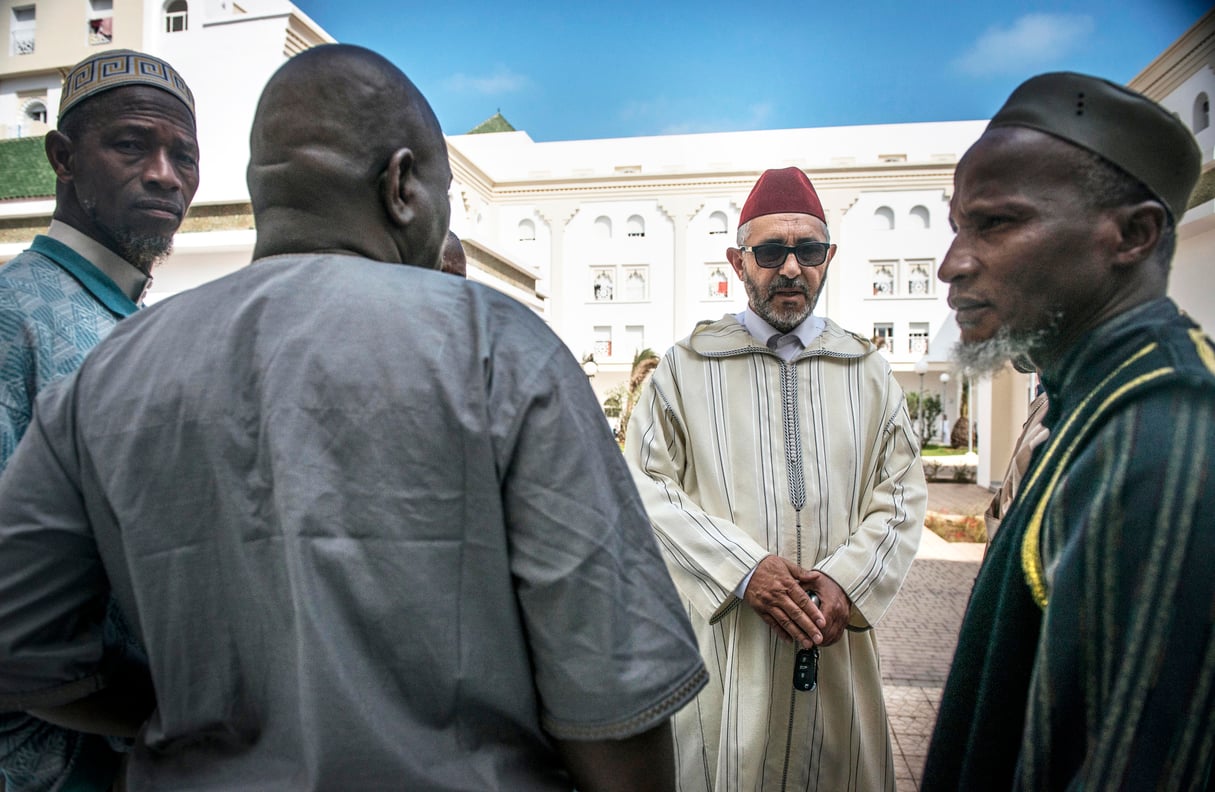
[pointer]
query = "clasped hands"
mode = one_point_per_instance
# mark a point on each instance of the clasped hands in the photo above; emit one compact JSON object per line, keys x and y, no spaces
{"x":778,"y":592}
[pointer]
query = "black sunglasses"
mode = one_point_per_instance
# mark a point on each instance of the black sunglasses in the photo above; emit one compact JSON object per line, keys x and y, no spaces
{"x":771,"y":255}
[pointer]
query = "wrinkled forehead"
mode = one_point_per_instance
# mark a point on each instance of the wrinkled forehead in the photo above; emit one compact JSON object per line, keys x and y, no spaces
{"x":1015,"y":158}
{"x":134,"y":103}
{"x":785,"y":226}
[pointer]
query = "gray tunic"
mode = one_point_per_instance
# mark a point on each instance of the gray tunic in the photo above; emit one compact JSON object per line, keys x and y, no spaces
{"x":370,"y":525}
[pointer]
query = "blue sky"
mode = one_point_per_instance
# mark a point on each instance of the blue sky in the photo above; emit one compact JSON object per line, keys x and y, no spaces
{"x":571,"y":70}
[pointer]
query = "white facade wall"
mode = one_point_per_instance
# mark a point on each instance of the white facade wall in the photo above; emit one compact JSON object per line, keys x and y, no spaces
{"x":1186,"y":102}
{"x":1182,"y":79}
{"x":1190,"y":283}
{"x":913,"y":310}
{"x":226,"y":86}
{"x":13,"y":120}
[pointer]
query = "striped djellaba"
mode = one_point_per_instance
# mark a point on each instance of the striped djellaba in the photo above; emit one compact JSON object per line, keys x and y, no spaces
{"x":738,"y":455}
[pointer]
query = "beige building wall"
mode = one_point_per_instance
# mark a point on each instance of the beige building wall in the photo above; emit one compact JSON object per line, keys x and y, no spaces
{"x":61,"y":32}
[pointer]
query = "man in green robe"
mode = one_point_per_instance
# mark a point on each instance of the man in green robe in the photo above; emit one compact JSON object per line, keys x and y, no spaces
{"x":1087,"y":656}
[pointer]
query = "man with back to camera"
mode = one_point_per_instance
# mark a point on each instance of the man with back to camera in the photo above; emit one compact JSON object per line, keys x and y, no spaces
{"x":775,"y":456}
{"x":125,"y":157}
{"x":1086,"y":658}
{"x":371,"y":525}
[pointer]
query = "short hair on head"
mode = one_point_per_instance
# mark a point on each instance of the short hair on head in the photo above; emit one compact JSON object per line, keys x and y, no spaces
{"x":1103,"y":185}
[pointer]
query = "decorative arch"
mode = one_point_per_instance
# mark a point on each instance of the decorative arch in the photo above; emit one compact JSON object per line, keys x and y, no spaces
{"x":919,"y":217}
{"x":1202,"y":112}
{"x":177,"y":16}
{"x":527,"y":231}
{"x":635,"y":285}
{"x":603,"y":227}
{"x":34,"y":110}
{"x":717,"y":223}
{"x":883,"y":219}
{"x":635,"y":227}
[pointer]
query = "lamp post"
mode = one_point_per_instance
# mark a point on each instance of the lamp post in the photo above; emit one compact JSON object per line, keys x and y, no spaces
{"x":921,"y":368}
{"x":944,"y":417}
{"x":970,"y":403}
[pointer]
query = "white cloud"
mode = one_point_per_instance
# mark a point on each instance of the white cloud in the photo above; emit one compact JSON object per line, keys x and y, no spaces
{"x":1032,"y":42}
{"x":501,"y":81}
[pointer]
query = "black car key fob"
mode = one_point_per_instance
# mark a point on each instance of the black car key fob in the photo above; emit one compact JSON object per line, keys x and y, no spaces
{"x":805,"y":669}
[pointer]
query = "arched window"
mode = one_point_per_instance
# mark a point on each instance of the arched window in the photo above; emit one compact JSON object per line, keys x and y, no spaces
{"x":717,"y":223}
{"x":602,"y":286}
{"x":603,"y":228}
{"x":177,"y":16}
{"x":35,"y":111}
{"x":636,"y":226}
{"x":527,"y":231}
{"x":919,"y":217}
{"x":918,"y":278}
{"x":634,"y":285}
{"x":883,"y":278}
{"x":719,"y":284}
{"x":1202,"y":112}
{"x":883,"y":219}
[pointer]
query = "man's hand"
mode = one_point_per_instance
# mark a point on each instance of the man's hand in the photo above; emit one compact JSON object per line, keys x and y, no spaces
{"x":777,"y":592}
{"x":642,"y":763}
{"x":835,"y":607}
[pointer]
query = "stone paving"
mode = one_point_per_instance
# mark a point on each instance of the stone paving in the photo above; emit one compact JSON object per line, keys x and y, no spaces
{"x":917,"y":636}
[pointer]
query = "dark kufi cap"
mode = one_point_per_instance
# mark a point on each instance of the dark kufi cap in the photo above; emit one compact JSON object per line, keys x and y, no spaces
{"x":780,"y":191}
{"x":1121,"y":126}
{"x":116,"y":68}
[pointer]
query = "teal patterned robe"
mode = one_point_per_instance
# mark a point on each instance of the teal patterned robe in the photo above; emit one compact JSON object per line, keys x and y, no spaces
{"x":54,"y":307}
{"x":1087,"y":656}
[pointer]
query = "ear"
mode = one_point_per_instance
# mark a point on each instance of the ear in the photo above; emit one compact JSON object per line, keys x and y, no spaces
{"x":1139,"y":227}
{"x":396,"y":188}
{"x":734,"y":255}
{"x":59,"y":152}
{"x":830,"y":255}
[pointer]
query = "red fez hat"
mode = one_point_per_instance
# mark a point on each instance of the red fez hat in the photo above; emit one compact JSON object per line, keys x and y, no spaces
{"x":779,"y":191}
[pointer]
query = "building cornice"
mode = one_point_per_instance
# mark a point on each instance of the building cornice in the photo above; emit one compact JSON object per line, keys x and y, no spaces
{"x":904,"y":177}
{"x":1185,"y":56}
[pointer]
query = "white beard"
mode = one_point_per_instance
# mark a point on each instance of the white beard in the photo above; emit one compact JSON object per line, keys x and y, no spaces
{"x":980,"y":358}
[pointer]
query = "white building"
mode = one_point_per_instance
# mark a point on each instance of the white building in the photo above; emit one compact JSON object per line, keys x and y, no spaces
{"x":629,"y":235}
{"x":619,"y":244}
{"x":43,"y":39}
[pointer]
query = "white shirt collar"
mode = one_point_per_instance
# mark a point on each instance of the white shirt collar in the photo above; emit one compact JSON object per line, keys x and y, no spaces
{"x":787,"y":345}
{"x":126,"y":276}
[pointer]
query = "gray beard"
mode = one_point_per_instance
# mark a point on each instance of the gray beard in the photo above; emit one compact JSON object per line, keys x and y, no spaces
{"x":982,"y":358}
{"x":144,"y":251}
{"x":783,"y":321}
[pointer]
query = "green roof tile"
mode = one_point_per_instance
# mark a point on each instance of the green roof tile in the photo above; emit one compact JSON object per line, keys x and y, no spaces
{"x":495,"y":123}
{"x":24,"y":171}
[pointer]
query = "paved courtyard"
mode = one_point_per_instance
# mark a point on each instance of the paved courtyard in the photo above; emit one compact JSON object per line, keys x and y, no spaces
{"x":918,"y":634}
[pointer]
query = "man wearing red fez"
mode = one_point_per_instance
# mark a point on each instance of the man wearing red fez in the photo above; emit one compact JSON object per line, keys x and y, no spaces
{"x":1086,"y":659}
{"x":778,"y":464}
